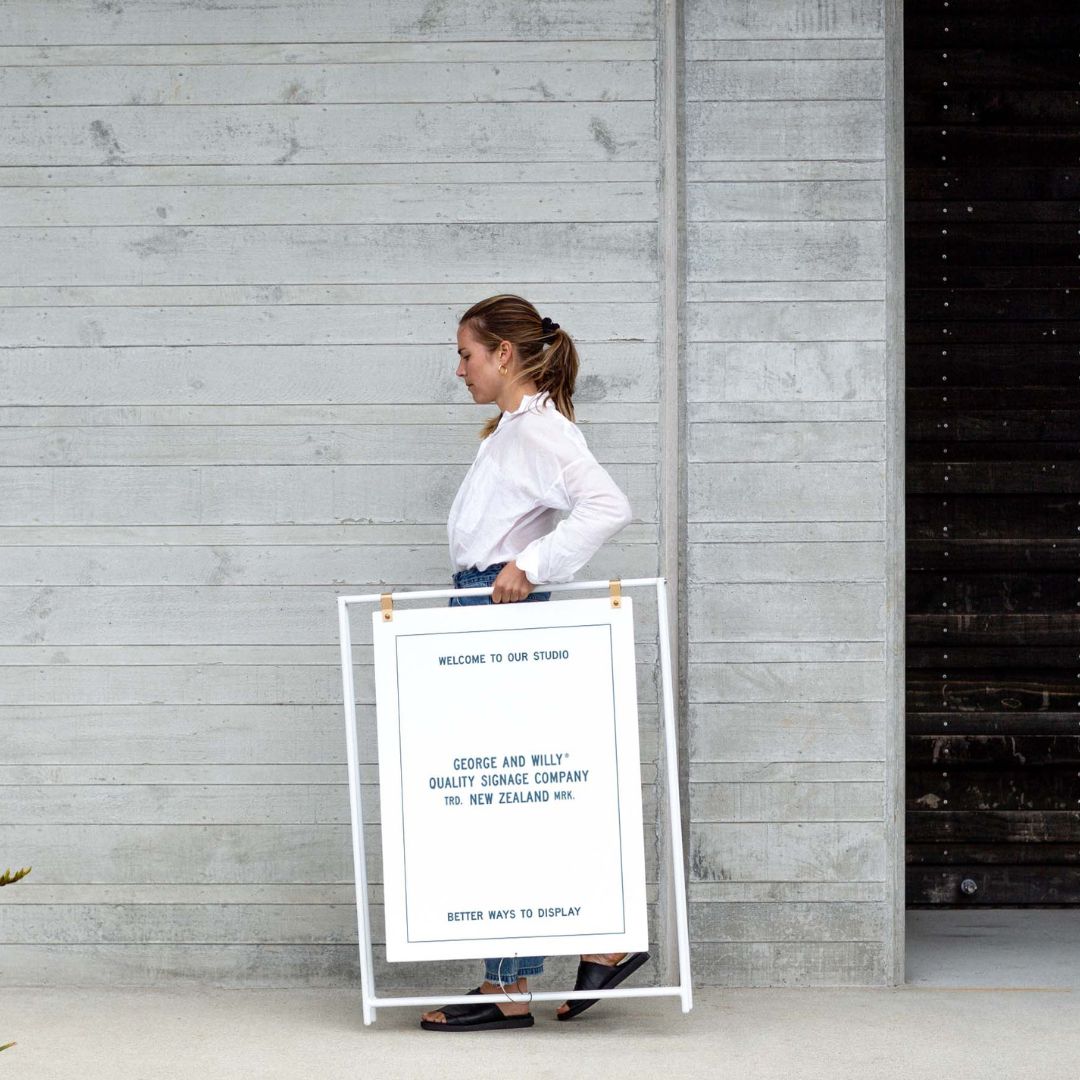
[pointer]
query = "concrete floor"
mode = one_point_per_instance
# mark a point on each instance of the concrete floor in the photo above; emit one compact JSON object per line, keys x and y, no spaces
{"x":963,"y":1015}
{"x":995,"y":947}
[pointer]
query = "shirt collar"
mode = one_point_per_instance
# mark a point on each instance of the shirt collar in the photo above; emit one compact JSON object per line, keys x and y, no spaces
{"x":526,"y":402}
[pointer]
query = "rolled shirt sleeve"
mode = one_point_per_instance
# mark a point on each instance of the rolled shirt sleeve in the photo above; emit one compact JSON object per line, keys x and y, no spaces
{"x":598,"y":509}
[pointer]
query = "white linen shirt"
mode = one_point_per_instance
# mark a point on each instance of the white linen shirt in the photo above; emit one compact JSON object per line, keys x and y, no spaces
{"x":532,"y":466}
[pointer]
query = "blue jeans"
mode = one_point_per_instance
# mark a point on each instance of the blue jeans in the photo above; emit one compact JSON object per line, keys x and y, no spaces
{"x":497,"y":969}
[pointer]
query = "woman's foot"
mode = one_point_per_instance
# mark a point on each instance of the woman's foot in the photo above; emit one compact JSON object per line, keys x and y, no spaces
{"x":508,"y":1008}
{"x":608,"y":959}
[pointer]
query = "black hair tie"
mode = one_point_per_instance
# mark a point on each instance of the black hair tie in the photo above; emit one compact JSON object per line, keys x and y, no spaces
{"x":548,"y":327}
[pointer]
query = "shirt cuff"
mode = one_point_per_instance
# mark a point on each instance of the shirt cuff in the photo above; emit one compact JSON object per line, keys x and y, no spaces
{"x":529,"y":562}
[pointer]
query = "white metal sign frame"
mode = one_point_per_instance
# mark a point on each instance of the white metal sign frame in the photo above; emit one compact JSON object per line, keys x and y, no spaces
{"x":676,"y":879}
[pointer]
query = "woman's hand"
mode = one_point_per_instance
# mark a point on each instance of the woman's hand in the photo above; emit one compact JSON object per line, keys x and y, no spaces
{"x":510,"y":585}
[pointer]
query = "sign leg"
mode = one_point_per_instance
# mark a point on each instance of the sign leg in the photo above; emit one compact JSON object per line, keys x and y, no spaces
{"x":671,"y":755}
{"x":363,"y":916}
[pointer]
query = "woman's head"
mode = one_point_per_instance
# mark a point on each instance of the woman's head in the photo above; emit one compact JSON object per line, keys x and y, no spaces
{"x":504,"y":341}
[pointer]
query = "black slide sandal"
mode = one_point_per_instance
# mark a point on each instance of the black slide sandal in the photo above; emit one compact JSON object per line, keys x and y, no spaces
{"x":593,"y":976}
{"x":476,"y":1018}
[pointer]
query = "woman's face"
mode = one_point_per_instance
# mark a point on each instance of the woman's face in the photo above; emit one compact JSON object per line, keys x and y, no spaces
{"x":479,"y":368}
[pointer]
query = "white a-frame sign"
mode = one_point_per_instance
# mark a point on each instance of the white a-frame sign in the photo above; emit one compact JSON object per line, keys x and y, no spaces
{"x":510,"y":783}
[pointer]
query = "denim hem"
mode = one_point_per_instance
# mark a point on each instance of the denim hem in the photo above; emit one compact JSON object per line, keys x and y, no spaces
{"x":491,"y":972}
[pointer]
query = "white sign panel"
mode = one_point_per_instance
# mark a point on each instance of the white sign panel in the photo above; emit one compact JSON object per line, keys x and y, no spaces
{"x":510,"y":786}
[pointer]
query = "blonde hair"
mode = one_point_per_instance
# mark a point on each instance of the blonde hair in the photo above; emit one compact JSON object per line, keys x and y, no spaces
{"x":507,"y":317}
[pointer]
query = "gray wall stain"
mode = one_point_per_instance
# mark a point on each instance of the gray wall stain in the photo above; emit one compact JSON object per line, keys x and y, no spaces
{"x":290,"y":153}
{"x":104,"y":139}
{"x":433,"y":16}
{"x":164,"y":241}
{"x":602,"y":134}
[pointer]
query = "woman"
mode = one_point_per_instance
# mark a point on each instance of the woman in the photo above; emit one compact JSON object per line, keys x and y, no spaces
{"x":532,"y":463}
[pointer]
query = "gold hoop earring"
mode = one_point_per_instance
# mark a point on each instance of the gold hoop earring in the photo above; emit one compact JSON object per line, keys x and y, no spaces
{"x":502,"y":369}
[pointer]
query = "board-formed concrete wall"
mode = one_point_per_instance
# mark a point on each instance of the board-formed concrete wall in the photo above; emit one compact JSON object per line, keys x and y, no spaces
{"x":787,"y":379}
{"x":237,"y":241}
{"x":231,"y":283}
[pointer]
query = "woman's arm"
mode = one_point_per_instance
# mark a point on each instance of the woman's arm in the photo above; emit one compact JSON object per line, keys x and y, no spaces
{"x":598,"y":510}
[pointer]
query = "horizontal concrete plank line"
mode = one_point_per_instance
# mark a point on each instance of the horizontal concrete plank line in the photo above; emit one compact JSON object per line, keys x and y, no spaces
{"x":309,"y":943}
{"x":83,"y":296}
{"x":845,"y":940}
{"x":709,"y":821}
{"x":219,"y":774}
{"x":766,"y":59}
{"x":622,"y":562}
{"x":787,"y":532}
{"x":800,"y":782}
{"x":785,"y":341}
{"x":402,"y":534}
{"x":786,"y":292}
{"x":217,"y":944}
{"x":238,"y":902}
{"x":790,"y":170}
{"x":254,"y":584}
{"x":805,"y":641}
{"x":379,"y":43}
{"x":52,"y":169}
{"x":357,"y":421}
{"x":775,"y":100}
{"x":458,"y":162}
{"x":608,"y":425}
{"x":303,"y":345}
{"x":321,"y":893}
{"x":773,"y":281}
{"x":772,"y":663}
{"x":794,"y":48}
{"x":34,"y":656}
{"x":265,"y":465}
{"x":327,"y":54}
{"x":774,"y":521}
{"x":801,"y":640}
{"x":794,"y":282}
{"x":328,"y":221}
{"x":716,"y":460}
{"x":116,"y":105}
{"x":405,"y":162}
{"x":753,"y":160}
{"x":293,"y":174}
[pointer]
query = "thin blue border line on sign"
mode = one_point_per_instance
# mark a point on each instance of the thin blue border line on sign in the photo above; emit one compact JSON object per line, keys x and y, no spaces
{"x":618,"y":790}
{"x":401,"y":786}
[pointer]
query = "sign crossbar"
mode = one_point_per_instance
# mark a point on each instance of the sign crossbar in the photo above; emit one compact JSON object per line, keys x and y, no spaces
{"x":676,"y":880}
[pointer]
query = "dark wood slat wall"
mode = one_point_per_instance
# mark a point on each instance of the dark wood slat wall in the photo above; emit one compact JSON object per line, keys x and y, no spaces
{"x":992,"y":106}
